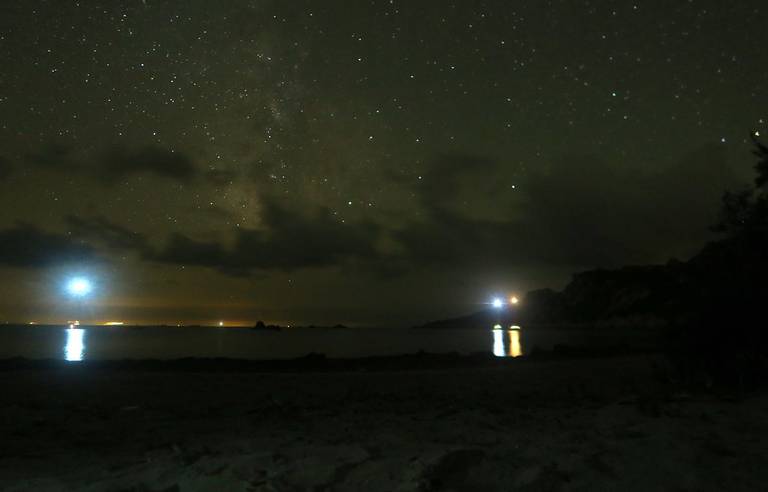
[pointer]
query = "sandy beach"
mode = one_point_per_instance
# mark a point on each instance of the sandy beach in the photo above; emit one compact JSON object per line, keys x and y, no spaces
{"x":578,"y":424}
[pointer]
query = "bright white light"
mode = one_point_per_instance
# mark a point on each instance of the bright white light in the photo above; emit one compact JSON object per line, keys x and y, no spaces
{"x":74,"y":349}
{"x":497,"y":303}
{"x":79,"y":287}
{"x":498,"y":343}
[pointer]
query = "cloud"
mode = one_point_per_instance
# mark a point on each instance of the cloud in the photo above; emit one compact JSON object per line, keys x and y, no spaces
{"x":55,"y":156}
{"x":118,"y":163}
{"x":471,"y":216}
{"x":584,"y":213}
{"x":600,"y":213}
{"x":6,"y":169}
{"x":183,"y":250}
{"x":462,"y":183}
{"x":289,"y":240}
{"x":115,"y":163}
{"x":24,"y":245}
{"x":113,"y":236}
{"x":220,"y":177}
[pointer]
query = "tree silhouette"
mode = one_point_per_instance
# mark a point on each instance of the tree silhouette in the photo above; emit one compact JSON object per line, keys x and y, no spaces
{"x":747,"y":210}
{"x":735,"y":212}
{"x":761,"y":168}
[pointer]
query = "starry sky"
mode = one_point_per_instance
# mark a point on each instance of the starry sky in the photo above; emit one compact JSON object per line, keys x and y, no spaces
{"x":372,"y":162}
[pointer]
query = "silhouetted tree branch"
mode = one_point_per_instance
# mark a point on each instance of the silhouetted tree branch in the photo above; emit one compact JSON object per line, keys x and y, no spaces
{"x":747,"y":210}
{"x":761,"y":168}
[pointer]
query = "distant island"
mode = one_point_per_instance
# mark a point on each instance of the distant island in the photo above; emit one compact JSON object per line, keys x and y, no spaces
{"x":260,"y":325}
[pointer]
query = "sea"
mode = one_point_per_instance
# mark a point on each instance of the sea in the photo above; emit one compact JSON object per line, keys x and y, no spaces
{"x":81,"y":343}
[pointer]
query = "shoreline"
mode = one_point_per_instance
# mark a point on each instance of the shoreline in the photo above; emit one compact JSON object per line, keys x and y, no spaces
{"x":320,"y":362}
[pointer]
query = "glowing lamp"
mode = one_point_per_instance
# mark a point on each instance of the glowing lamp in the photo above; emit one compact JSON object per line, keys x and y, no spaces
{"x":79,"y":287}
{"x":514,"y":300}
{"x":497,"y":303}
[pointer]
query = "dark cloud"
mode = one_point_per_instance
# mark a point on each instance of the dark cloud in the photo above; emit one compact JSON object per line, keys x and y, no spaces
{"x":468,"y":215}
{"x":183,"y":250}
{"x":585,"y":214}
{"x":290,"y":240}
{"x":5,"y":168}
{"x":120,"y":162}
{"x":215,"y":213}
{"x":57,"y":156}
{"x":111,"y":235}
{"x":220,"y":177}
{"x":588,"y":213}
{"x":453,"y":183}
{"x":600,"y":214}
{"x":24,"y":245}
{"x":261,"y":171}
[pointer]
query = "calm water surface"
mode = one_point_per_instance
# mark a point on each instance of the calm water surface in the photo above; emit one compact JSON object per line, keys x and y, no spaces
{"x":118,"y":342}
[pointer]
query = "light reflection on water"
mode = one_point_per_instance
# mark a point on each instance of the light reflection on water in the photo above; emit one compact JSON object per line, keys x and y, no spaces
{"x":515,"y":345}
{"x":80,"y":344}
{"x":74,"y":347}
{"x":506,"y":343}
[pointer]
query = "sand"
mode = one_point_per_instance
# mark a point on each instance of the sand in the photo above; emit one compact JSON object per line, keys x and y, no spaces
{"x":584,"y":424}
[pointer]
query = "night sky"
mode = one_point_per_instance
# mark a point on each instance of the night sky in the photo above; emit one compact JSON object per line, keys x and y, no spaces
{"x":360,"y":162}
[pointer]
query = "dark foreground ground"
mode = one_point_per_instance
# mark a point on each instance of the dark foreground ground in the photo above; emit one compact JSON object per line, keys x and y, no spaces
{"x":608,"y":423}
